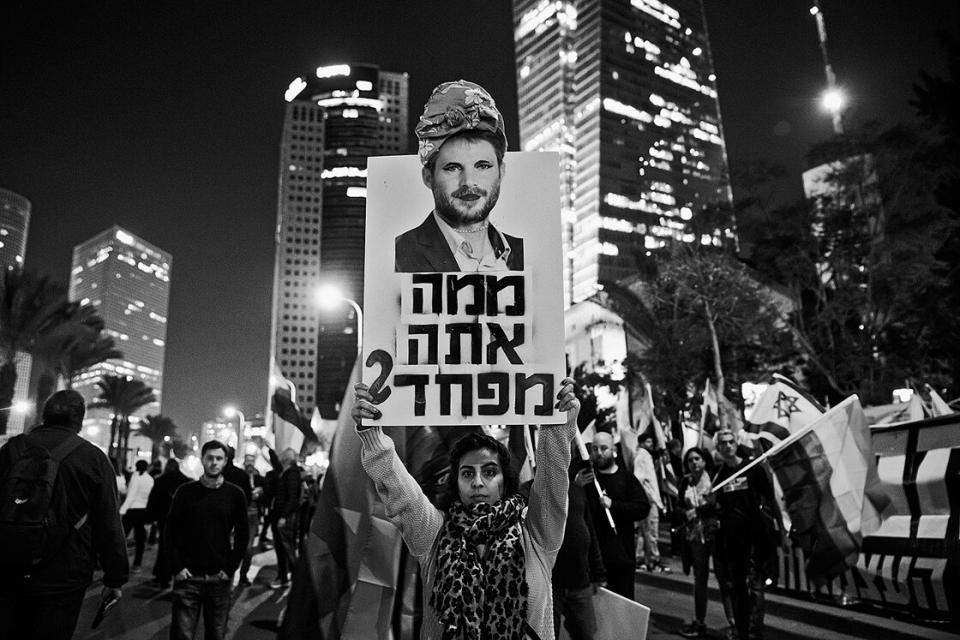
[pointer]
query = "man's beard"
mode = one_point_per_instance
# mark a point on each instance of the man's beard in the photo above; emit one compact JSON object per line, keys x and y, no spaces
{"x":446,"y":206}
{"x":603,"y":462}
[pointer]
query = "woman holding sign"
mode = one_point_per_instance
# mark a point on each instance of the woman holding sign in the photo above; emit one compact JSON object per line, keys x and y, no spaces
{"x":486,"y":562}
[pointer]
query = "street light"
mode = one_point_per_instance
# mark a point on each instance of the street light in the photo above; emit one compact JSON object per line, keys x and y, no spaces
{"x":232,"y":412}
{"x":19,"y":406}
{"x":833,"y":100}
{"x":329,"y":297}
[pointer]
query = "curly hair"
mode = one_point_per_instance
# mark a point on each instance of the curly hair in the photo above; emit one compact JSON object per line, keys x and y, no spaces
{"x":474,"y":442}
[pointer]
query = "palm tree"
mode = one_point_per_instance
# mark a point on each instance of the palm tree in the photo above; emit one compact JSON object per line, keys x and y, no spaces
{"x":157,"y":428}
{"x":122,"y":396}
{"x":30,"y":307}
{"x":83,"y":354}
{"x":73,"y":344}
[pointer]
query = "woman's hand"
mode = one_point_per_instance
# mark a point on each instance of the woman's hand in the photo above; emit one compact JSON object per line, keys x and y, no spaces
{"x":363,"y":408}
{"x":567,"y":401}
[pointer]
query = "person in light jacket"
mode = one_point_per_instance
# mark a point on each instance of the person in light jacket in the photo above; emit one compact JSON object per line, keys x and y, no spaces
{"x":134,"y":512}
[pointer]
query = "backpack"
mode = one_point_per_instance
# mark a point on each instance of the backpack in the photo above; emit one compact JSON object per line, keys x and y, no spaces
{"x":33,"y":519}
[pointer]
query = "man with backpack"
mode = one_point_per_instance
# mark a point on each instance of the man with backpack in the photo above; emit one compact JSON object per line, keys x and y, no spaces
{"x":59,"y":518}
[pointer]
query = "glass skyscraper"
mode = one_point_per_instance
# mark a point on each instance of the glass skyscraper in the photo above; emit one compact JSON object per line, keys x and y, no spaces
{"x":336,"y":117}
{"x":14,"y":224}
{"x":128,"y":281}
{"x":625,"y":91}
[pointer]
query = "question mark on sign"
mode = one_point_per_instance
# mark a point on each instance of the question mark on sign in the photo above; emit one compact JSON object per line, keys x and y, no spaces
{"x":377,"y":389}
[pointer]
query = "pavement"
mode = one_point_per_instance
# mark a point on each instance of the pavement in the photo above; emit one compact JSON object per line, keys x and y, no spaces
{"x":825,"y":619}
{"x":144,"y":612}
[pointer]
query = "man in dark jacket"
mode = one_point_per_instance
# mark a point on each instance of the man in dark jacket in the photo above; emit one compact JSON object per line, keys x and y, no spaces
{"x":744,"y":541}
{"x":158,"y":506}
{"x":624,"y":496}
{"x":579,"y":567}
{"x":46,"y":603}
{"x":268,"y":501}
{"x":243,"y":479}
{"x":286,"y":508}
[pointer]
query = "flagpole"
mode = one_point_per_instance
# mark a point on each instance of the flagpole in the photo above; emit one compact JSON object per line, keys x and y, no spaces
{"x":582,"y":448}
{"x":703,"y":413}
{"x":658,"y":433}
{"x":783,"y":444}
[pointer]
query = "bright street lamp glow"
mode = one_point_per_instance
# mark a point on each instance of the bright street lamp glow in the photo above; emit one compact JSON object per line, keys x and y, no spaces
{"x":329,"y":296}
{"x":231,"y":412}
{"x":833,"y":100}
{"x":19,"y":406}
{"x":22,"y":406}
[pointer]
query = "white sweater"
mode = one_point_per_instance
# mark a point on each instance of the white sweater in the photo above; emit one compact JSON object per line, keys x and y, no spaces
{"x":138,"y":491}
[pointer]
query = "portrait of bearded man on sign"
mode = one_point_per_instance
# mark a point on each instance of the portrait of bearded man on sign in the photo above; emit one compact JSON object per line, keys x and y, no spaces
{"x":462,"y":144}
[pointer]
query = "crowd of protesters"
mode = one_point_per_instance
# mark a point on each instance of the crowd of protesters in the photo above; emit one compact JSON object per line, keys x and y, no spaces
{"x":206,"y":535}
{"x":614,"y":527}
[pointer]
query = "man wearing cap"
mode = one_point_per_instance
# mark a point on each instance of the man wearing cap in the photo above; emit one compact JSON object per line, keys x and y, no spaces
{"x":462,"y":143}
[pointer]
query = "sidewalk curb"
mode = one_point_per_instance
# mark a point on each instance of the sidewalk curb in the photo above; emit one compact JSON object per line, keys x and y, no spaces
{"x":833,"y":618}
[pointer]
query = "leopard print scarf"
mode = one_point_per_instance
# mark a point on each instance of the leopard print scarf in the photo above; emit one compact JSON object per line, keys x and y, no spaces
{"x":485,"y":598}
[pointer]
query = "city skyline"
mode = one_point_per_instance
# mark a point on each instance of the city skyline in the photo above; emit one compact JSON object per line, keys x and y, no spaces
{"x":165,"y":121}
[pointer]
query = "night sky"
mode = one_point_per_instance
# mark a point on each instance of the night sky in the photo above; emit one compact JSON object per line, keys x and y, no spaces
{"x":165,"y":118}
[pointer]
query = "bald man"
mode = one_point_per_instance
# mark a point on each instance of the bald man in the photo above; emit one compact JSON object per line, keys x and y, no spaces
{"x":624,"y":496}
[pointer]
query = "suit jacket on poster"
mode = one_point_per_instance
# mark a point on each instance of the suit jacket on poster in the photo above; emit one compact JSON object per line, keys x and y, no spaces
{"x":425,"y":248}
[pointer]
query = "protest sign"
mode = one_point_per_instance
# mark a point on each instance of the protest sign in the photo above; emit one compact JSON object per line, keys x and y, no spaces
{"x":619,"y":617}
{"x":447,"y":347}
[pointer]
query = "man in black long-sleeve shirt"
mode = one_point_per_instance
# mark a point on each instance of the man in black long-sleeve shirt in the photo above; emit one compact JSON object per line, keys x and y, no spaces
{"x":46,"y":603}
{"x":624,"y":496}
{"x":202,"y":518}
